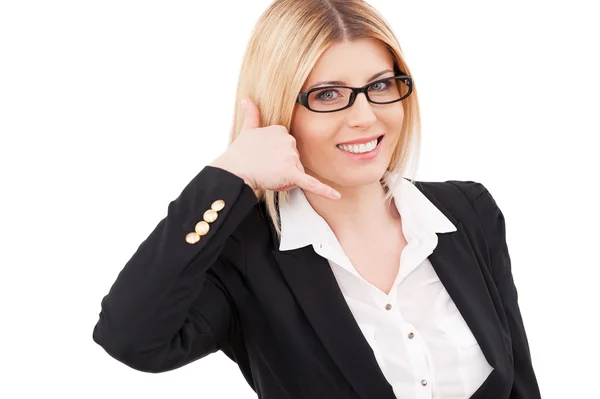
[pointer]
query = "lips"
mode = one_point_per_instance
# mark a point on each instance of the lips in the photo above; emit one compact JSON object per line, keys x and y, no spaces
{"x":363,"y":140}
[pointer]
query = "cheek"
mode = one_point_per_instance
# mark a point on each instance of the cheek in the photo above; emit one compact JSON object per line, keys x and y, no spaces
{"x":396,"y":118}
{"x":312,"y":144}
{"x":394,"y":121}
{"x":313,"y":134}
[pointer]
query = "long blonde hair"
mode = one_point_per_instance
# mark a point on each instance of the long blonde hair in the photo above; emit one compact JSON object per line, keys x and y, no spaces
{"x":286,"y":43}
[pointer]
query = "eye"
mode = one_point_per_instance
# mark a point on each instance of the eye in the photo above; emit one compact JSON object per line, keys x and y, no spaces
{"x":380,"y":85}
{"x":326,"y":95}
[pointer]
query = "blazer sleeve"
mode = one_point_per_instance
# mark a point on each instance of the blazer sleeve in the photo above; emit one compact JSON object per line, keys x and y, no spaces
{"x":167,"y":308}
{"x":525,"y":384}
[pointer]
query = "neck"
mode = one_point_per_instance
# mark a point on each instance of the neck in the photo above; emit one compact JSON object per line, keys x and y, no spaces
{"x":361,"y":209}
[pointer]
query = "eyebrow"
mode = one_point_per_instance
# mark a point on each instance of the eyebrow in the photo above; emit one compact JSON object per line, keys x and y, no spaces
{"x":342,"y":83}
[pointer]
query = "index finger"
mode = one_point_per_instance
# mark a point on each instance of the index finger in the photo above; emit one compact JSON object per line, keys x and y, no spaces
{"x":313,"y":185}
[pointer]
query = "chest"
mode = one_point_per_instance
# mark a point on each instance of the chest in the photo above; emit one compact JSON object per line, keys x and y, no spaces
{"x":377,"y":260}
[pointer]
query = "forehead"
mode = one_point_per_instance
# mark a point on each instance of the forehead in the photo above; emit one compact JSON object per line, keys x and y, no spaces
{"x":352,"y":62}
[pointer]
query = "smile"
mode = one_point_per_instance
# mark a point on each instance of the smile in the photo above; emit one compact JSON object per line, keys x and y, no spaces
{"x":360,"y":148}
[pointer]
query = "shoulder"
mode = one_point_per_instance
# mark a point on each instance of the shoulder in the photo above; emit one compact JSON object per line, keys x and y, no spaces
{"x":472,"y":203}
{"x":451,"y":189}
{"x":458,"y":194}
{"x":451,"y":197}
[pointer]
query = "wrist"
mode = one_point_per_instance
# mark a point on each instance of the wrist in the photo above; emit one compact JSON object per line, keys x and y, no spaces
{"x":231,"y":167}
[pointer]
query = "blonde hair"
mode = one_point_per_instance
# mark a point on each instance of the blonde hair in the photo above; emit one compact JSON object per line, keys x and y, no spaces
{"x":286,"y":43}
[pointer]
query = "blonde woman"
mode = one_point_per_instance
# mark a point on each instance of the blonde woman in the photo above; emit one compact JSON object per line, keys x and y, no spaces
{"x":305,"y":254}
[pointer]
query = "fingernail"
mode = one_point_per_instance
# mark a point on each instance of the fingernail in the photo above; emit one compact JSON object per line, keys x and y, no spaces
{"x":336,"y":195}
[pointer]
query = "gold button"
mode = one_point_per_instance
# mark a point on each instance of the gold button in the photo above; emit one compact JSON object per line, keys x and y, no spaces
{"x":192,"y":238}
{"x":218,"y":205}
{"x":210,"y":216}
{"x":202,"y":228}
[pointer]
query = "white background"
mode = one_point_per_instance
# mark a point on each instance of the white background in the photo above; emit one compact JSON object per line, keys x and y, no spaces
{"x":108,"y":109}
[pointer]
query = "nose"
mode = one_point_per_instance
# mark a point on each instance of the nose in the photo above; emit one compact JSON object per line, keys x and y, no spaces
{"x":361,"y":112}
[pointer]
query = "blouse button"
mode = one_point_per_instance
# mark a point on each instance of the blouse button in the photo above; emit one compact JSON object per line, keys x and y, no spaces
{"x":411,"y":336}
{"x":424,"y":382}
{"x":388,"y":306}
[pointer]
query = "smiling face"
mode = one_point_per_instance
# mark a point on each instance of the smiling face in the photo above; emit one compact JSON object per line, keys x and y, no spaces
{"x":323,"y":139}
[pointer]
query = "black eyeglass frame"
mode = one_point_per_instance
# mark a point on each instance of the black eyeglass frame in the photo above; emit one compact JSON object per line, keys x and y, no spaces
{"x":303,"y":97}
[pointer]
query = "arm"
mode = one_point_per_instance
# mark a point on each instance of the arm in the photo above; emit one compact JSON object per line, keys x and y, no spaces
{"x":525,"y":384}
{"x":167,"y":308}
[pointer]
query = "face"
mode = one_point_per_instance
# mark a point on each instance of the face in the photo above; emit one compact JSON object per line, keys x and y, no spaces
{"x":322,"y":138}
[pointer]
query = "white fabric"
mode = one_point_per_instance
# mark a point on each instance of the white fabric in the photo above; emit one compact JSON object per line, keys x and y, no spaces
{"x":442,"y":360}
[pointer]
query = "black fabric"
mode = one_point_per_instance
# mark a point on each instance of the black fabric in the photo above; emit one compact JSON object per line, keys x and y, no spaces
{"x":281,"y":315}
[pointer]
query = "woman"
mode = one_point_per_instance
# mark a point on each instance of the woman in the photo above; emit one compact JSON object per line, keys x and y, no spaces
{"x":304,"y":254}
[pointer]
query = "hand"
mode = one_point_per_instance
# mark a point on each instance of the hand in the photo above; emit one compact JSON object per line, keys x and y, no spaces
{"x":267,"y":158}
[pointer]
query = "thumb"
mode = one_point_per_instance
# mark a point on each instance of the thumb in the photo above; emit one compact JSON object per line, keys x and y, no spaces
{"x":251,"y":114}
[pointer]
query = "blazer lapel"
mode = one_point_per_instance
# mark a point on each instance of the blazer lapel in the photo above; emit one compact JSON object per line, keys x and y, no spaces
{"x":457,"y":267}
{"x":311,"y":280}
{"x":459,"y":270}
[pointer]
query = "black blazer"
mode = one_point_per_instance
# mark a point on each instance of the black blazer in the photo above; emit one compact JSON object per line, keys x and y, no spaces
{"x":281,"y":315}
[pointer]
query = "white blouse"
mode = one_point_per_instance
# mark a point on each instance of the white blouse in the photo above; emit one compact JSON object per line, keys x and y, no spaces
{"x":421,"y":342}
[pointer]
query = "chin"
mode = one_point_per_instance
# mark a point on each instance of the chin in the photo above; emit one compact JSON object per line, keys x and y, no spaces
{"x":358,"y":177}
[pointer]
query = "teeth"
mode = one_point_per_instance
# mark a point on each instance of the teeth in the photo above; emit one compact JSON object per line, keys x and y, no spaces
{"x":358,"y":148}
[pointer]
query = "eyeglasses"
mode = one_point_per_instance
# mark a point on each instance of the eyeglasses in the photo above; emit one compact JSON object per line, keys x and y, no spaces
{"x":337,"y":98}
